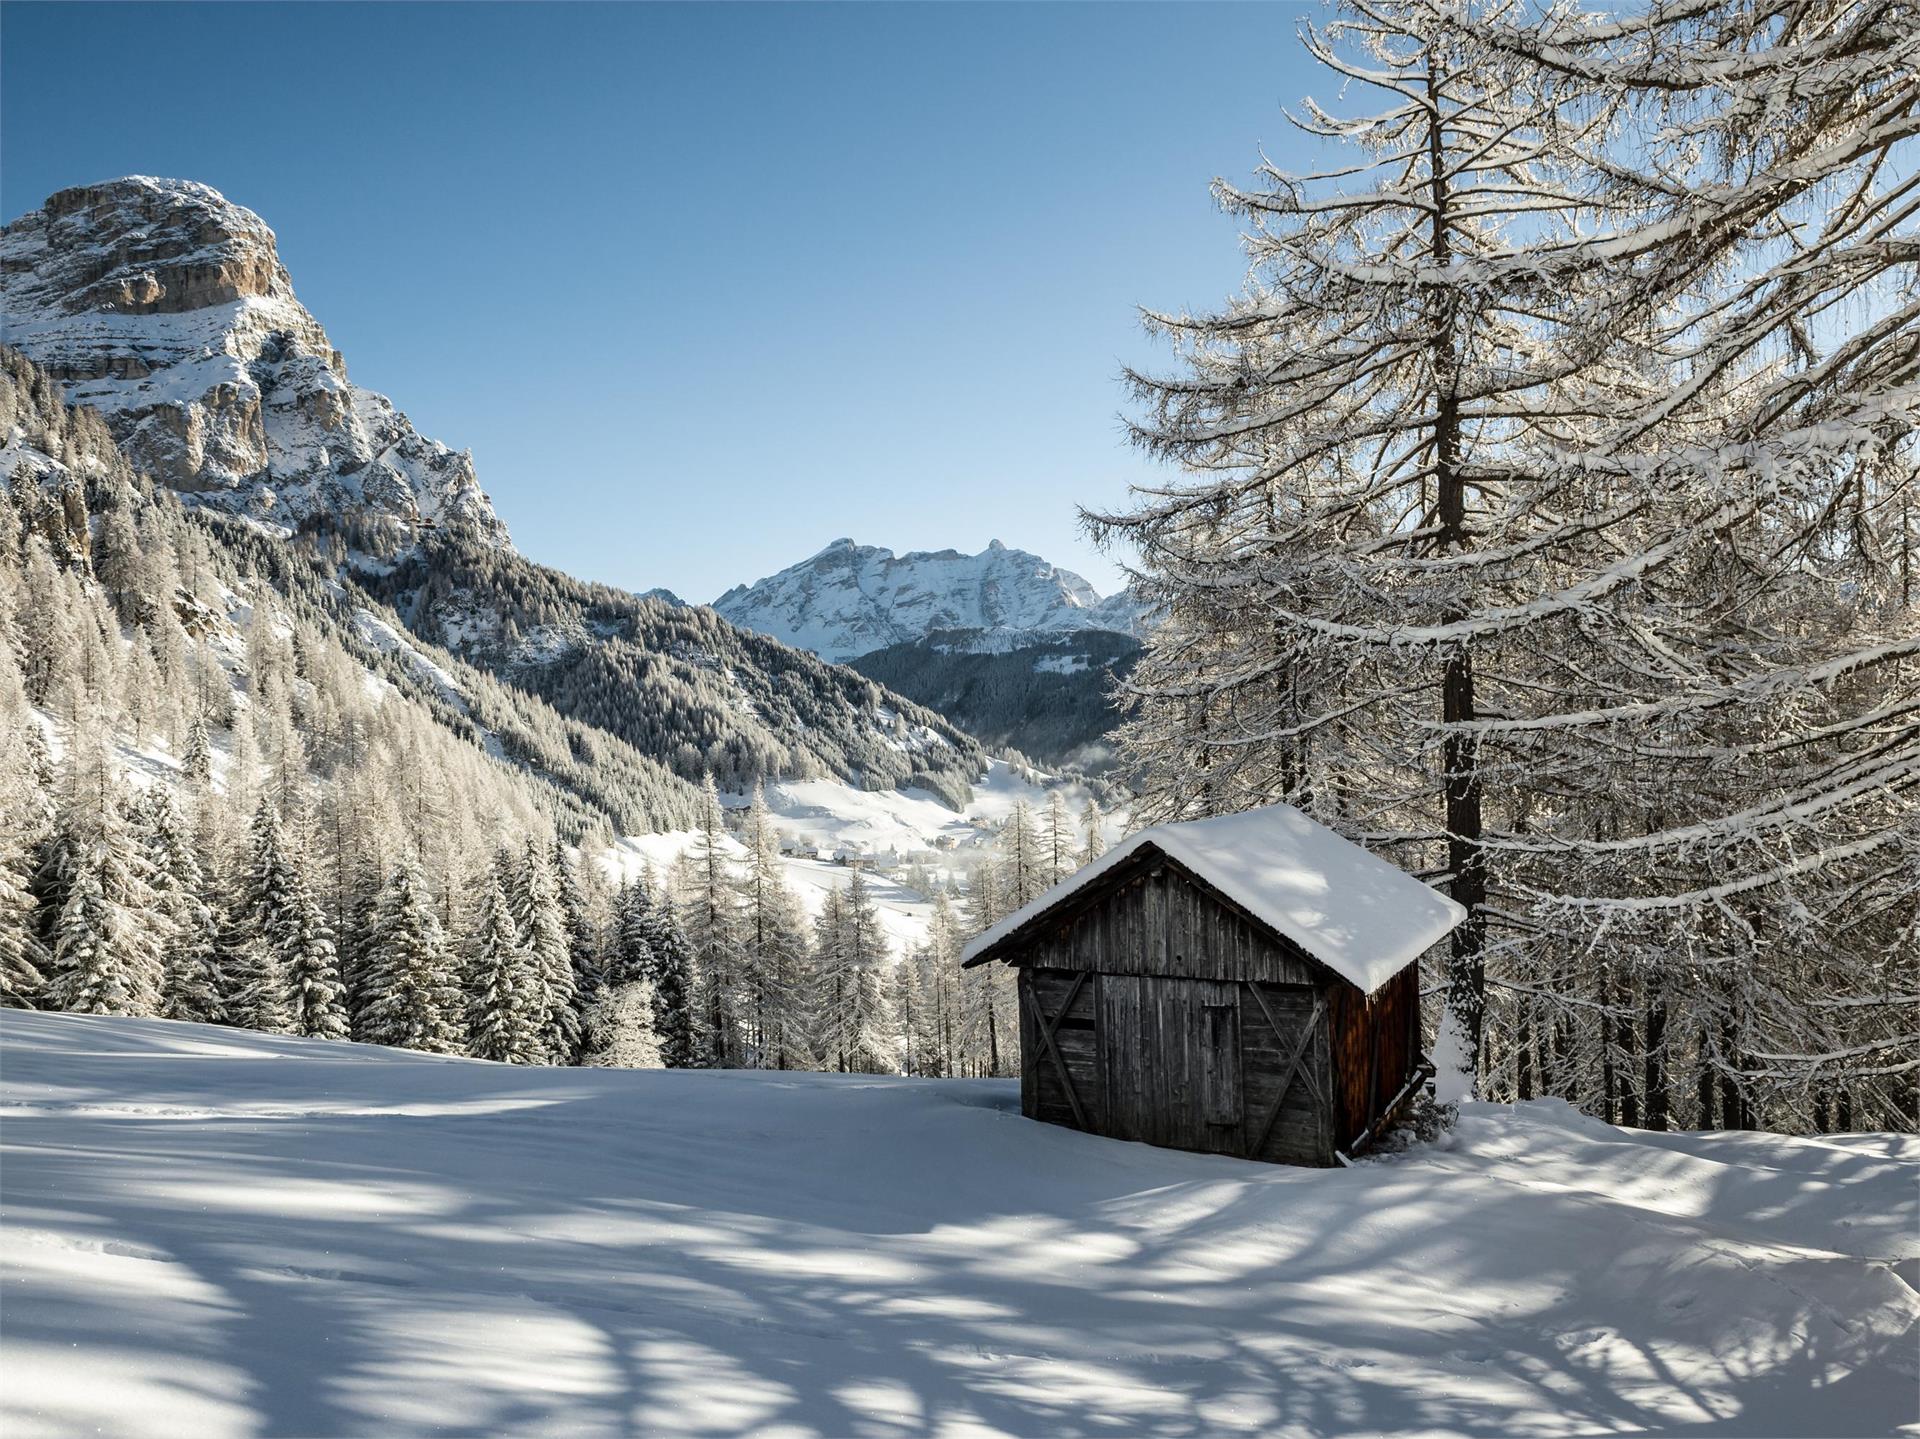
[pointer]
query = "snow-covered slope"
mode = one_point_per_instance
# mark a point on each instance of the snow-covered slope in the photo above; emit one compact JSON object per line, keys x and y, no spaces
{"x":825,"y":825}
{"x":853,"y":599}
{"x":216,"y":1233}
{"x":166,"y":307}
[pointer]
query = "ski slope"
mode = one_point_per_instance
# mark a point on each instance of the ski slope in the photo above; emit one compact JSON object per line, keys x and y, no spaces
{"x":209,"y":1233}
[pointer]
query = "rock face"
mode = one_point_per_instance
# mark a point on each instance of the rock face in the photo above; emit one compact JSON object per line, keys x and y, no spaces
{"x":167,"y":309}
{"x":851,"y":600}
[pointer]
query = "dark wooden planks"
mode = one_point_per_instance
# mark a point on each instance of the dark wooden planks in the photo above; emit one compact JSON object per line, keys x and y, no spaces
{"x":1376,"y":1044}
{"x":1162,"y":921}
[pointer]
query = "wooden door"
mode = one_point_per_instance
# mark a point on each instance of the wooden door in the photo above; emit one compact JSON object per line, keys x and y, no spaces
{"x":1220,"y":1088}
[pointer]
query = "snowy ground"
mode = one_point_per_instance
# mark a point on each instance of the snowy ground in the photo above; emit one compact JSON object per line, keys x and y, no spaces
{"x":832,"y":814}
{"x":212,"y":1233}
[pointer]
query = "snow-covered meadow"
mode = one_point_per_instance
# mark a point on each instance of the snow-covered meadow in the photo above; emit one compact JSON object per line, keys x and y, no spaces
{"x":209,"y":1232}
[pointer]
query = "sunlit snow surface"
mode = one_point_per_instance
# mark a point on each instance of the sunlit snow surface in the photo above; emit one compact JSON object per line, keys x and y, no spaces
{"x":210,"y":1233}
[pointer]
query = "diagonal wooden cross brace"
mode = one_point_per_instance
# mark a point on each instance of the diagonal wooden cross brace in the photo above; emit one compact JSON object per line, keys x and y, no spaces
{"x":1287,"y":1075}
{"x":1046,"y":1027}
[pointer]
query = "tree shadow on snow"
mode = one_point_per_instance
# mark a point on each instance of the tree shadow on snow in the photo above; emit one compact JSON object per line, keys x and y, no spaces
{"x":607,"y":1254}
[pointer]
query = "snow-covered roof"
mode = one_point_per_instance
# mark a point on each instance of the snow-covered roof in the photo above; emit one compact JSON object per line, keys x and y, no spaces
{"x":1362,"y":917}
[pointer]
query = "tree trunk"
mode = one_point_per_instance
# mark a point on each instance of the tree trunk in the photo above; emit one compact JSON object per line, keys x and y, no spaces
{"x":1656,"y":1057}
{"x":1466,"y":861}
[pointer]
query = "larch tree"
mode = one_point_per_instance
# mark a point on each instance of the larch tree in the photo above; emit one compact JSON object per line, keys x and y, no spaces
{"x":1093,"y":835}
{"x":773,"y":943}
{"x":709,"y":913}
{"x":1541,"y":512}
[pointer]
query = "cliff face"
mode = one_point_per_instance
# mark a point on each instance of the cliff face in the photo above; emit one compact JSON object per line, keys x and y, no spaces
{"x":166,"y":308}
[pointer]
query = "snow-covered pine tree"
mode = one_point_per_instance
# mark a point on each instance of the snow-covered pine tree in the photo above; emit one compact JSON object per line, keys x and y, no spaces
{"x":858,"y":1027}
{"x":583,"y":901}
{"x":619,"y":1028}
{"x":191,"y":984}
{"x":507,"y":1018}
{"x":280,"y":911}
{"x":674,"y":1023}
{"x":542,"y":925}
{"x":406,"y":971}
{"x":23,"y":957}
{"x":257,"y":994}
{"x":108,"y":930}
{"x":196,"y":760}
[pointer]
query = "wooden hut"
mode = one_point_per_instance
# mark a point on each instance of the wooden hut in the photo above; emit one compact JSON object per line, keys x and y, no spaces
{"x":1243,"y":985}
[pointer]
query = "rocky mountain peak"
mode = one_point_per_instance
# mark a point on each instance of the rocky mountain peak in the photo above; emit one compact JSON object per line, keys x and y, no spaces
{"x":850,"y":600}
{"x":165,"y":306}
{"x":145,"y":246}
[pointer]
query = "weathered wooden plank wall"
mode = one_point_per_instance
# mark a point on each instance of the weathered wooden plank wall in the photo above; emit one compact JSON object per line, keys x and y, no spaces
{"x":1193,"y":1064}
{"x":1375,"y":1047}
{"x":1159,"y":921}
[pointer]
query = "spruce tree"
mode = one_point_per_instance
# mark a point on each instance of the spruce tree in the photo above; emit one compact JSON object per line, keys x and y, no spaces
{"x":196,"y":761}
{"x":542,"y":926}
{"x":407,"y":970}
{"x":23,"y":956}
{"x":281,"y":912}
{"x":669,"y":957}
{"x":508,"y":1015}
{"x":191,"y":984}
{"x":108,"y":930}
{"x":582,"y":901}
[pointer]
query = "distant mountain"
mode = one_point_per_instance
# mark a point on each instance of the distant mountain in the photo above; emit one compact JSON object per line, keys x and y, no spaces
{"x":164,"y":307}
{"x":850,"y":600}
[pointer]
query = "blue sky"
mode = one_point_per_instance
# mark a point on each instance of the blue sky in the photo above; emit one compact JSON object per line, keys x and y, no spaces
{"x":704,"y":287}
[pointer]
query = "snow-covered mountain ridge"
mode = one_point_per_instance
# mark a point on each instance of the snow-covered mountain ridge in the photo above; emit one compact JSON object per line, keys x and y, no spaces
{"x":165,"y":307}
{"x":850,"y":599}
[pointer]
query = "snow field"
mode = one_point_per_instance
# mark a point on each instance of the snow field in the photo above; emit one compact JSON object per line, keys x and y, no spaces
{"x":212,"y":1233}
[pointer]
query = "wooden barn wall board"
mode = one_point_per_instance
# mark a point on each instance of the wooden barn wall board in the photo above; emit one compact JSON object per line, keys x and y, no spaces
{"x":1163,"y":922}
{"x":1375,"y":1047}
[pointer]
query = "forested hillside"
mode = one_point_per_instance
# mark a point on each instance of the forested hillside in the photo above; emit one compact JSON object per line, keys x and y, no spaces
{"x":166,"y":307}
{"x":1054,"y":701}
{"x":676,"y":681}
{"x":234,"y":791}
